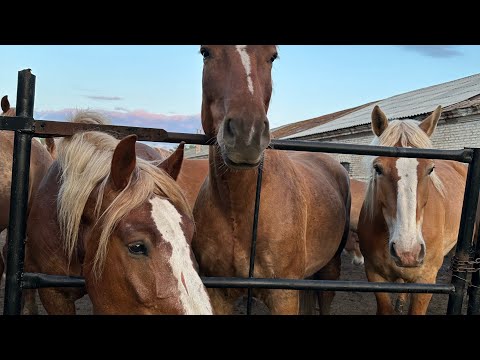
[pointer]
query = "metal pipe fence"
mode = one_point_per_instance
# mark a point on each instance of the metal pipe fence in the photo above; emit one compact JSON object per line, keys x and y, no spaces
{"x":26,"y":127}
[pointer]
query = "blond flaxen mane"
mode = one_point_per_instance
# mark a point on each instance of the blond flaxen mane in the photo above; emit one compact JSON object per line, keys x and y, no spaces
{"x":403,"y":133}
{"x":85,"y":162}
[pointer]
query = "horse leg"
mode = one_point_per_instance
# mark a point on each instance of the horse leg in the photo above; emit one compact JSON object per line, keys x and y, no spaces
{"x":419,"y":302}
{"x":331,"y":271}
{"x":281,"y":302}
{"x":384,"y":302}
{"x":57,"y":301}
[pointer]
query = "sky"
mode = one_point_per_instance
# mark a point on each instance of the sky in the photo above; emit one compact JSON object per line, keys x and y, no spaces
{"x":160,"y":85}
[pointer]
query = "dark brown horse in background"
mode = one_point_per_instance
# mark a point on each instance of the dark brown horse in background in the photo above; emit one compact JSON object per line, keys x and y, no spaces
{"x":40,"y":161}
{"x":305,"y":200}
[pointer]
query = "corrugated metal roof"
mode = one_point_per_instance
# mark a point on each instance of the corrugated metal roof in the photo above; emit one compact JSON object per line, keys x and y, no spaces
{"x":405,"y":105}
{"x":296,"y":127}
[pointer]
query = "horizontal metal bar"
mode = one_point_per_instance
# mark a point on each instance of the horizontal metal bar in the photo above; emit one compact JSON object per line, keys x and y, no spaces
{"x":44,"y":128}
{"x":462,"y":155}
{"x":333,"y":285}
{"x":36,"y":280}
{"x":16,"y":123}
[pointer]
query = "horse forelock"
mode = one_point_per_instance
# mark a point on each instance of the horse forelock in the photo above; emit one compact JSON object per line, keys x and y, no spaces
{"x":401,"y":133}
{"x":85,"y":163}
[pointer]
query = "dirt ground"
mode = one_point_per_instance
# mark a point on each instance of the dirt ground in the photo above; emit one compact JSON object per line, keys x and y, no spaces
{"x":344,"y":303}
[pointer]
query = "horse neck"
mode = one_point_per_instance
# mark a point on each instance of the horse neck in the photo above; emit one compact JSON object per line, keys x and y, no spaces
{"x":229,"y":186}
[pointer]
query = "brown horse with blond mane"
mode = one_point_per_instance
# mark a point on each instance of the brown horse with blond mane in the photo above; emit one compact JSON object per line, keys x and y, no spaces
{"x":305,"y":200}
{"x":119,"y":219}
{"x":40,"y":161}
{"x":411,"y":214}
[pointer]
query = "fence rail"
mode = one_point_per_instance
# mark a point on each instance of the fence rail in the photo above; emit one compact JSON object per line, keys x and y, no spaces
{"x":25,"y":127}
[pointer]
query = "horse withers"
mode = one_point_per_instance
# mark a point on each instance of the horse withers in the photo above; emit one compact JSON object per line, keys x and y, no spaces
{"x":411,"y":214}
{"x":305,"y":199}
{"x":108,"y":211}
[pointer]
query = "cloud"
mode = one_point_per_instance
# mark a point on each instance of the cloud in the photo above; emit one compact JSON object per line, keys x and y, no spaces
{"x":119,"y":108}
{"x":99,"y":97}
{"x":437,"y":51}
{"x":138,"y":118}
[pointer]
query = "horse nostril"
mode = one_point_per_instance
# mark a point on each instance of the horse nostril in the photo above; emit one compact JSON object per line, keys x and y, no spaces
{"x":229,"y":129}
{"x":393,"y":252}
{"x":421,"y":255}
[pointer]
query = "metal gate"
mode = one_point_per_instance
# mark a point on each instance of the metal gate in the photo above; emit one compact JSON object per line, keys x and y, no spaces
{"x":465,"y":262}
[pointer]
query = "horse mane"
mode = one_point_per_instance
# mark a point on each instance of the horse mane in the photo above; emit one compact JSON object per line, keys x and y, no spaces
{"x":402,"y":133}
{"x":85,"y":164}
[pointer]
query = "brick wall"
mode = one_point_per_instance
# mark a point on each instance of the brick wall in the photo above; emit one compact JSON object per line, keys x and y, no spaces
{"x":456,"y":134}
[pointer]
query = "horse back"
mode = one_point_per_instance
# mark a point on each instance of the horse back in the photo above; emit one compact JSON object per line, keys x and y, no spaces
{"x":321,"y":170}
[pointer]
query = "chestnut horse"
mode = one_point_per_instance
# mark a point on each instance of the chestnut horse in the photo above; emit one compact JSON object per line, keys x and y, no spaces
{"x":357,"y":189}
{"x":40,"y":161}
{"x":411,"y":214}
{"x":305,"y":199}
{"x":119,"y":220}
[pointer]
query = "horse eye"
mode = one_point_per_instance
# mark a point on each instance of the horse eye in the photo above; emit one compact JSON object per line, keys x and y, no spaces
{"x":431,"y":170}
{"x":205,"y":53}
{"x":274,"y":57}
{"x":378,"y":169}
{"x":137,"y":248}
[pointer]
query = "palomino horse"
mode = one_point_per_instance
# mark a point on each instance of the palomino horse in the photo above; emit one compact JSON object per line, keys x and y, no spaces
{"x":40,"y":161}
{"x":305,"y":199}
{"x":411,"y":214}
{"x":120,"y":221}
{"x":357,"y":189}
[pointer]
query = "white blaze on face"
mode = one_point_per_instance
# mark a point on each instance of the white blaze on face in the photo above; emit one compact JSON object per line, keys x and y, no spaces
{"x":404,"y":230}
{"x":193,"y":295}
{"x":242,"y":50}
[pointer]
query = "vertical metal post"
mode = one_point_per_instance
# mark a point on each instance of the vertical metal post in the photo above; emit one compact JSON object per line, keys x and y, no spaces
{"x":19,"y":196}
{"x":253,"y":247}
{"x":473,"y":307}
{"x":465,"y":234}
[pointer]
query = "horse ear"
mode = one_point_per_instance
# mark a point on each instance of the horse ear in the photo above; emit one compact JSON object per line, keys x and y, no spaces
{"x":51,"y":147}
{"x":379,"y":121}
{"x":430,"y":123}
{"x":173,"y":163}
{"x":5,"y":104}
{"x":124,"y":161}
